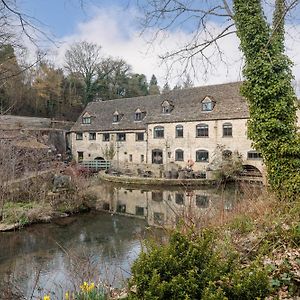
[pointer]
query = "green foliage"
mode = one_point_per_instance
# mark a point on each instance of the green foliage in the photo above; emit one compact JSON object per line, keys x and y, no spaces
{"x":272,"y":100}
{"x":192,"y":267}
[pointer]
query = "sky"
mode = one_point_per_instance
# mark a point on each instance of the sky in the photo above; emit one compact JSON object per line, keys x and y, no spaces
{"x":115,"y":25}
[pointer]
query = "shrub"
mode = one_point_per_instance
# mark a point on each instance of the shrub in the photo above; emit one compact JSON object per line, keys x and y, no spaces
{"x":192,"y":267}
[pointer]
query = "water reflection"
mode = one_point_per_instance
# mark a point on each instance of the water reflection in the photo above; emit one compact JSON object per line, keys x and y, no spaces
{"x":165,"y":207}
{"x":56,"y":253}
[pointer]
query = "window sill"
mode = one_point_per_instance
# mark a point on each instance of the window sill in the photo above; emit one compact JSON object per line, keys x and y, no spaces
{"x":227,"y":136}
{"x":201,"y":137}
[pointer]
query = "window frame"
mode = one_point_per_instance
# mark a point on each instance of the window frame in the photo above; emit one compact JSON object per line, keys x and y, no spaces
{"x":86,"y":120}
{"x":119,"y":134}
{"x":227,"y":127}
{"x":207,"y":104}
{"x":202,"y":160}
{"x":177,"y":151}
{"x":105,"y":137}
{"x":255,"y":153}
{"x":93,"y":135}
{"x":137,"y":135}
{"x":158,"y":129}
{"x":79,"y":136}
{"x":202,"y":127}
{"x":179,"y":128}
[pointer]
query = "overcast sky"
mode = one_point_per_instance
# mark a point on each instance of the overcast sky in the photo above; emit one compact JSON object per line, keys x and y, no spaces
{"x":116,"y":27}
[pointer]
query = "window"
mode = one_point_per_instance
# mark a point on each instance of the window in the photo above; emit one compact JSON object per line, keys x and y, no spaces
{"x":116,"y":117}
{"x":92,"y":136}
{"x":202,"y":130}
{"x":121,"y":136}
{"x":158,"y":132}
{"x":166,"y":107}
{"x":79,"y":136}
{"x":86,"y":120}
{"x":202,"y":156}
{"x":80,"y":155}
{"x":179,"y":155}
{"x":130,"y":157}
{"x":207,"y":104}
{"x":179,"y":199}
{"x":142,"y":158}
{"x":138,"y":116}
{"x":179,"y":131}
{"x":254,"y":155}
{"x":139,"y":136}
{"x":202,"y":201}
{"x":157,"y":156}
{"x":227,"y":130}
{"x":105,"y":137}
{"x":139,"y":211}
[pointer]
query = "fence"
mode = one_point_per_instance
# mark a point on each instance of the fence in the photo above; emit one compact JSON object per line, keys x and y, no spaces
{"x":95,"y":165}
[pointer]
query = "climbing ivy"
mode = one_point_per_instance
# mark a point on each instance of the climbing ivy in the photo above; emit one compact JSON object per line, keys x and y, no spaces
{"x":271,"y":97}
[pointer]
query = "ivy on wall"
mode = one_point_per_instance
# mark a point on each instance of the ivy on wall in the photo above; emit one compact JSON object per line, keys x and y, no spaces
{"x":268,"y":89}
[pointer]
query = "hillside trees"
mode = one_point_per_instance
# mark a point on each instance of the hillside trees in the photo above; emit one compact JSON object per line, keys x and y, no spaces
{"x":267,"y":72}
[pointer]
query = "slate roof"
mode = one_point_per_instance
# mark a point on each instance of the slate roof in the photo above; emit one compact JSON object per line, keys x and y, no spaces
{"x":187,"y":107}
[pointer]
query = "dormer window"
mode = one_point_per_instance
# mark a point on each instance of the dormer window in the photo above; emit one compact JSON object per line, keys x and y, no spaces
{"x":166,"y":107}
{"x":86,"y":119}
{"x":116,"y":117}
{"x":139,"y":115}
{"x":207,"y":104}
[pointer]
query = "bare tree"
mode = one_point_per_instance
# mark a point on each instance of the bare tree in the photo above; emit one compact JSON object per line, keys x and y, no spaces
{"x":83,"y":58}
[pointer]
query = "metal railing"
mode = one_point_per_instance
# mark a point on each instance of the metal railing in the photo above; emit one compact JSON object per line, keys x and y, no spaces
{"x":95,"y":165}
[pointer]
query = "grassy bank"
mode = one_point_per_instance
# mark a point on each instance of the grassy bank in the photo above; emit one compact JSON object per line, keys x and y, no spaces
{"x":34,"y":201}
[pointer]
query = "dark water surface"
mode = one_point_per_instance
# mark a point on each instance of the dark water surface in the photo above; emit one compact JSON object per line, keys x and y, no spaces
{"x":105,"y":244}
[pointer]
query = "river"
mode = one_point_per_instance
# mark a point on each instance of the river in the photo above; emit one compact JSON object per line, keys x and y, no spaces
{"x":103,"y":243}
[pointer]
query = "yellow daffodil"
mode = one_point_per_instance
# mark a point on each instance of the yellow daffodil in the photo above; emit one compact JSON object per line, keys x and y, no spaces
{"x":67,"y":296}
{"x":46,"y":297}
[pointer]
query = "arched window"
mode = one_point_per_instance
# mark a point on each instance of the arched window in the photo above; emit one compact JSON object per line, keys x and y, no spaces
{"x":179,"y":155}
{"x":227,"y":130}
{"x":202,"y":130}
{"x":158,"y":132}
{"x":179,"y":131}
{"x":202,"y":156}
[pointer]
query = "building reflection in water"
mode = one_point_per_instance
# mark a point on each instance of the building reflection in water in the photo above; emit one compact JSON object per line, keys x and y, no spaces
{"x":166,"y":206}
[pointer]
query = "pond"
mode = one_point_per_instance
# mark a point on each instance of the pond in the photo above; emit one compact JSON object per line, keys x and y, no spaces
{"x":60,"y":255}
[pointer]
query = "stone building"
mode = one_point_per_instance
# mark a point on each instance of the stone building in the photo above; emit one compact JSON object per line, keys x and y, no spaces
{"x":176,"y":127}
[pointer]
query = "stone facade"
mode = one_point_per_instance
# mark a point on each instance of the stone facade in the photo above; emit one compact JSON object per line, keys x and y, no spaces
{"x":177,"y":127}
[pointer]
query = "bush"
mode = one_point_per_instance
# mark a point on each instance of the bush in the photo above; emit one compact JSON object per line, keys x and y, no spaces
{"x":190,"y":267}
